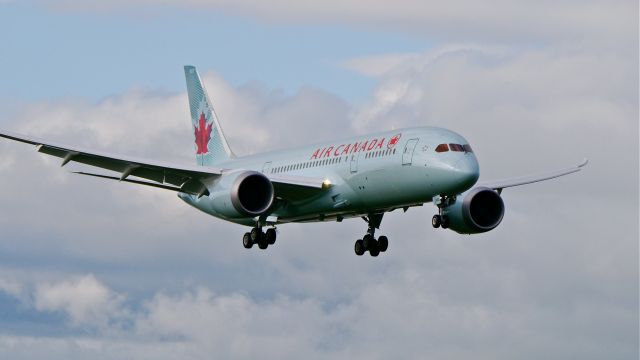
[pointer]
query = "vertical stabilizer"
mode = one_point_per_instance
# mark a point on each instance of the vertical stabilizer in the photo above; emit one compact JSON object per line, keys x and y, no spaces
{"x":211,"y":146}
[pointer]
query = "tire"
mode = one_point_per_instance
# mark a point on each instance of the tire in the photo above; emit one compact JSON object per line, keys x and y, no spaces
{"x":359,"y":247}
{"x":263,"y":243}
{"x":375,"y":250}
{"x":368,"y":241}
{"x":255,"y":235}
{"x":445,"y":222}
{"x":246,"y":241}
{"x":271,"y":236}
{"x":436,"y":221}
{"x":383,"y":243}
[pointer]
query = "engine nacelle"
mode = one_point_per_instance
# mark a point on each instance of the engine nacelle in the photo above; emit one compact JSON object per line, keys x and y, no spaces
{"x":478,"y":211}
{"x":242,"y":194}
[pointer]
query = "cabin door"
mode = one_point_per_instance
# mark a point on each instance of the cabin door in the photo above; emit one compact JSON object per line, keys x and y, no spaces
{"x":407,"y":154}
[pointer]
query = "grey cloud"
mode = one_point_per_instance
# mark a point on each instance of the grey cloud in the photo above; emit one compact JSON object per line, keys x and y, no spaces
{"x":566,"y":21}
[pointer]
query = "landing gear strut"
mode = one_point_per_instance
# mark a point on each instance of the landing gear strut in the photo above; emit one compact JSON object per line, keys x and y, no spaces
{"x":257,"y":236}
{"x":369,"y":242}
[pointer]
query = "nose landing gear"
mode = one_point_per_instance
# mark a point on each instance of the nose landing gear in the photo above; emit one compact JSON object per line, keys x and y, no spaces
{"x":440,"y":221}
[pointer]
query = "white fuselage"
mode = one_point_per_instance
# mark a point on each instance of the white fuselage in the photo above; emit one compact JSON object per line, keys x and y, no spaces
{"x":368,"y":174}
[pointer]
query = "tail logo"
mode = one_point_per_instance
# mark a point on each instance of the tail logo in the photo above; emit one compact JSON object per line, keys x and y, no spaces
{"x":203,"y":135}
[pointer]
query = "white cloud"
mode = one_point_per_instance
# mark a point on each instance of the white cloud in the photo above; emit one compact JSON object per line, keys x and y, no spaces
{"x":411,"y":313}
{"x":85,"y":300}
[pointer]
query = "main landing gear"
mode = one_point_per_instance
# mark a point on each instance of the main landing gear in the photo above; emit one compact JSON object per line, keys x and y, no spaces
{"x":257,"y":236}
{"x":369,"y":242}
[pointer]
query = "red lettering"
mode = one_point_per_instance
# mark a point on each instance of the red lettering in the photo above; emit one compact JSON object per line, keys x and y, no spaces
{"x":372,"y":144}
{"x":363,"y":146}
{"x":315,"y":154}
{"x":336,"y":153}
{"x":380,"y":144}
{"x":346,"y":150}
{"x":354,"y":149}
{"x":327,"y":153}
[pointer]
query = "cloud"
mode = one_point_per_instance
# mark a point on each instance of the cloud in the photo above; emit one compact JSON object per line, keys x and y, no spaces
{"x":405,"y":314}
{"x":10,"y":286}
{"x":459,"y":19}
{"x":517,"y":92}
{"x":85,"y":300}
{"x":558,"y":278}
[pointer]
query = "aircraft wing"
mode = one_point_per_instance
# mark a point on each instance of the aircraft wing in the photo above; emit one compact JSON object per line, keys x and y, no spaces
{"x":180,"y":178}
{"x":523,"y":180}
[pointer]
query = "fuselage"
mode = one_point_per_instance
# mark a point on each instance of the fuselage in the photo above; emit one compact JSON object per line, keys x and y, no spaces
{"x":367,"y":174}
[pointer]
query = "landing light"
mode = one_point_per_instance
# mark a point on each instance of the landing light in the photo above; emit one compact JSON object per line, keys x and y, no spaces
{"x":326,"y":184}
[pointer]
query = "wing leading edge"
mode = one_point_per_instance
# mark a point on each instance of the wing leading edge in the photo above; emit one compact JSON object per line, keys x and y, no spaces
{"x":498,"y":185}
{"x":187,"y":179}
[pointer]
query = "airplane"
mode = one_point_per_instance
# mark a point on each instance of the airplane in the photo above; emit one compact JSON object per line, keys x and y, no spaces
{"x":360,"y":177}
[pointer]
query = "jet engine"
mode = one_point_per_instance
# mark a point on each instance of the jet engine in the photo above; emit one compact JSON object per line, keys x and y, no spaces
{"x":479,"y":210}
{"x":242,"y":194}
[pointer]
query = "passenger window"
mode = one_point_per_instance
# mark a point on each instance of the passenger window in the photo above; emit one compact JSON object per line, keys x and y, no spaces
{"x":440,"y":148}
{"x":467,"y":148}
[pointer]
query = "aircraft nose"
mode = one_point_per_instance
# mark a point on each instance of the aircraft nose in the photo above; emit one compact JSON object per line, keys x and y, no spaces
{"x":467,"y":172}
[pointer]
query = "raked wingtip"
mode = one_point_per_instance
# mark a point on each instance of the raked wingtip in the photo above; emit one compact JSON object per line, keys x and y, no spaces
{"x":584,"y":163}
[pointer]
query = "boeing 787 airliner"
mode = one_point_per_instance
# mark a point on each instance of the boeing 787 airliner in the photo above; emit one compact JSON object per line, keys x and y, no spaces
{"x":362,"y":177}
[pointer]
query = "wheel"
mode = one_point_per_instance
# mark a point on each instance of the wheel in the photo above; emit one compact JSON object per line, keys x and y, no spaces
{"x":375,"y":250}
{"x":445,"y":222}
{"x":263,"y":243}
{"x":383,"y":243}
{"x":246,"y":241}
{"x":255,"y":234}
{"x":436,"y":221}
{"x":367,"y":241}
{"x":271,"y":236}
{"x":359,"y":247}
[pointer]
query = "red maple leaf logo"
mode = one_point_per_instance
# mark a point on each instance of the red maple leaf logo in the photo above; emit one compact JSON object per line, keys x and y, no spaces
{"x":203,"y":135}
{"x":394,"y":141}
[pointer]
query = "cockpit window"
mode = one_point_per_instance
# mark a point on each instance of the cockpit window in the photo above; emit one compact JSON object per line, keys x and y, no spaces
{"x":442,"y":148}
{"x":454,"y":147}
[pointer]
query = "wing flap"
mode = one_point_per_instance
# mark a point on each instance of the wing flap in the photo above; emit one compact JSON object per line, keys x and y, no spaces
{"x":297,"y":188}
{"x":161,"y":172}
{"x":188,"y":179}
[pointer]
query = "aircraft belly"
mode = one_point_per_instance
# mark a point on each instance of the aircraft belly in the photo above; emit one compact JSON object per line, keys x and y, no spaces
{"x":358,"y":194}
{"x":392,"y":186}
{"x":364,"y":192}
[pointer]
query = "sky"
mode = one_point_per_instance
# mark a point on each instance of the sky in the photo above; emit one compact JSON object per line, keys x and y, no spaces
{"x":95,"y":269}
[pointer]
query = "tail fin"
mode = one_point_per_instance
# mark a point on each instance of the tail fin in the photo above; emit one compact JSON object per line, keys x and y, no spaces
{"x":211,"y":146}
